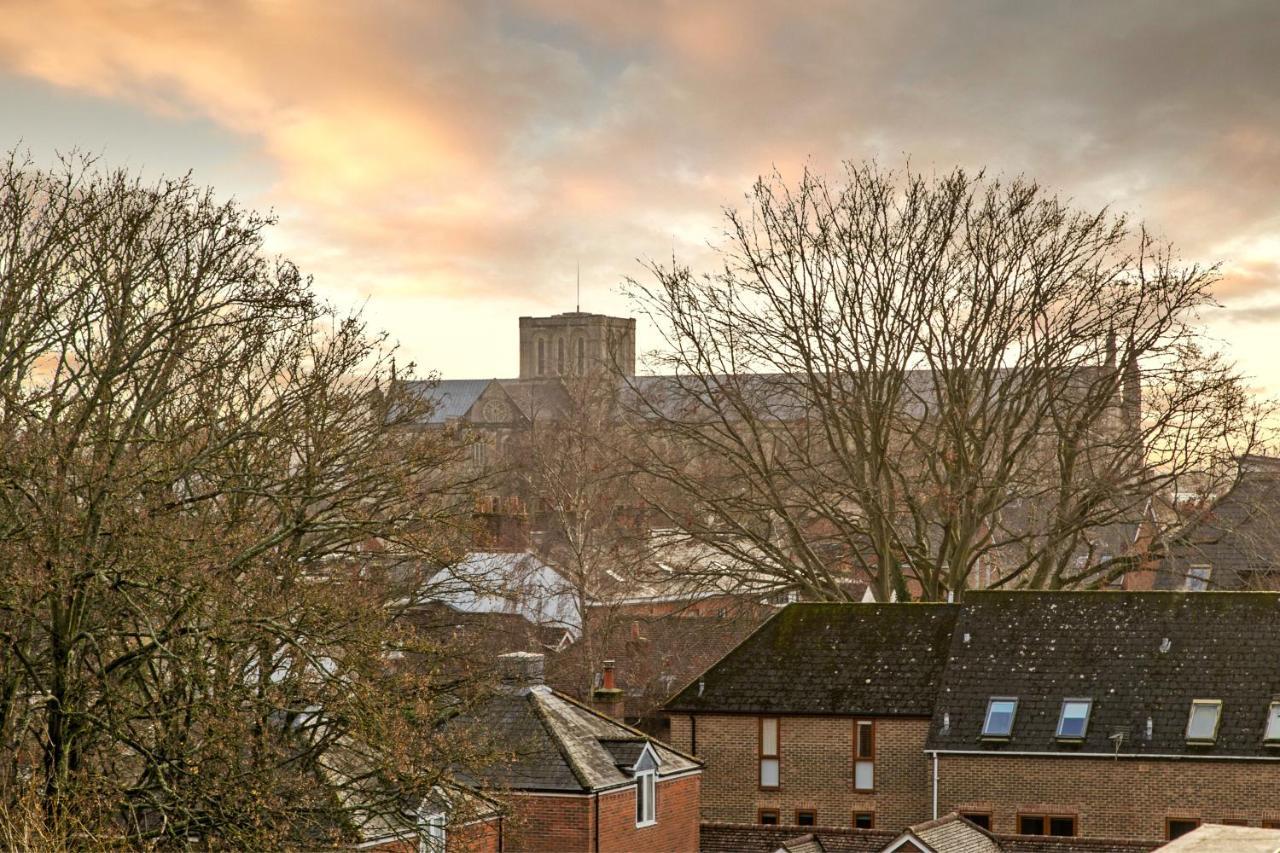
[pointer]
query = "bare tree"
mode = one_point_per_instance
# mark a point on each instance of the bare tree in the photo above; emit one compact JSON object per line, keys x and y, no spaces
{"x":570,"y":465}
{"x":209,"y":499}
{"x":931,"y":383}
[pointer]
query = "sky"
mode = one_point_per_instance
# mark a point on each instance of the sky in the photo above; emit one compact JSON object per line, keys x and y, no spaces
{"x":449,"y":166}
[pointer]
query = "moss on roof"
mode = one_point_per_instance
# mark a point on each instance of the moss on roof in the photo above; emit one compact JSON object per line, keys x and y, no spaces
{"x":881,"y":659}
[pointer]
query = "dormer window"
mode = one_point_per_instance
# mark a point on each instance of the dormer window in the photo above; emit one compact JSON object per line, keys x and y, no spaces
{"x":646,"y":773}
{"x":998,"y":724}
{"x":1073,"y":722}
{"x":1272,"y":735}
{"x":1202,"y":724}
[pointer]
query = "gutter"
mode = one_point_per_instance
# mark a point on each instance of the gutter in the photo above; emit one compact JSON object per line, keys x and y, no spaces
{"x":1112,"y":755}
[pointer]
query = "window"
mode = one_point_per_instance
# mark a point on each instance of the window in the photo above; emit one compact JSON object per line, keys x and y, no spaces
{"x":560,"y":357}
{"x":431,"y":834}
{"x":769,"y":767}
{"x":646,"y":798}
{"x":1202,"y":723}
{"x":1175,"y":827}
{"x":1039,"y":824}
{"x":864,"y":755}
{"x":982,"y":819}
{"x":806,"y":817}
{"x":999,"y":721}
{"x":1074,"y":719}
{"x":1272,"y":735}
{"x":542,"y":357}
{"x":582,"y":356}
{"x":1198,"y":578}
{"x":864,"y":820}
{"x":767,"y":817}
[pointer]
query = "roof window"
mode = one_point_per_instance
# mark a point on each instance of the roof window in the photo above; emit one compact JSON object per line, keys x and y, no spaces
{"x":1272,"y":735}
{"x":998,"y":724}
{"x":1074,"y":719}
{"x":1202,"y":724}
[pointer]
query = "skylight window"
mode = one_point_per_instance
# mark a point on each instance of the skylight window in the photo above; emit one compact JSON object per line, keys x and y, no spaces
{"x":999,"y":721}
{"x":1074,"y":719}
{"x":1272,"y":735}
{"x":1202,"y":724}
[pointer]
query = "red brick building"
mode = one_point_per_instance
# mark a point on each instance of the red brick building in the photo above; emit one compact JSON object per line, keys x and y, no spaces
{"x":580,"y":781}
{"x":1095,"y":715}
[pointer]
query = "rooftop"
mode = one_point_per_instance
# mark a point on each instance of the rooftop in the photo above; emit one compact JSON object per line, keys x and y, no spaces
{"x":883,"y":659}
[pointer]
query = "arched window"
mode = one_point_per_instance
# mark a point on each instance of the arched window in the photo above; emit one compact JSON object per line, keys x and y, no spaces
{"x":582,"y":357}
{"x":542,"y":357}
{"x":560,"y":356}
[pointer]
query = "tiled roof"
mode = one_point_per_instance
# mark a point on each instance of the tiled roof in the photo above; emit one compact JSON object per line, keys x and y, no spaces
{"x":561,"y":745}
{"x":953,"y":834}
{"x":1051,"y":844}
{"x":1136,"y":655}
{"x":882,"y":659}
{"x":1237,"y":536}
{"x":754,"y":838}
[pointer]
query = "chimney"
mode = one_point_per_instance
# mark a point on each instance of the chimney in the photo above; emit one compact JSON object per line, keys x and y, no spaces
{"x":520,"y":670}
{"x":607,"y":698}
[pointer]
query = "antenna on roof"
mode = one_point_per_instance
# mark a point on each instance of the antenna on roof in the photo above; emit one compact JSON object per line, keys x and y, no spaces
{"x":578,"y":307}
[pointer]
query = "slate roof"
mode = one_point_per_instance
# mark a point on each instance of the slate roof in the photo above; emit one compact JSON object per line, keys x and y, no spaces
{"x":561,"y":745}
{"x":1238,"y":536}
{"x":1137,"y":655}
{"x":875,"y":659}
{"x":453,"y":398}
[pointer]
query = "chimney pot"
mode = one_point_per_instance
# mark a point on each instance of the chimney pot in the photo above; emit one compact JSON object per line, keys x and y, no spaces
{"x":608,"y":676}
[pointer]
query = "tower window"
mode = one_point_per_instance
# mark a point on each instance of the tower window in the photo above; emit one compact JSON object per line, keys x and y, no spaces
{"x":542,"y":357}
{"x":560,"y":356}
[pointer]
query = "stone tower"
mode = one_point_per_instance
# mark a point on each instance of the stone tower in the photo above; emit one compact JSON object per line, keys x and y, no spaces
{"x":576,"y":344}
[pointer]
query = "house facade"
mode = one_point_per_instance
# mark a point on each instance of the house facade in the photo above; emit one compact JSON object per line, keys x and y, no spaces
{"x":1094,"y":715}
{"x":820,"y":717}
{"x":577,"y":780}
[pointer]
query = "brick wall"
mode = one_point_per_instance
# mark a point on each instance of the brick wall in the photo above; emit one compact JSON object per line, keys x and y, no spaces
{"x":566,"y":824}
{"x":816,"y":770}
{"x":677,"y":827}
{"x":549,"y":823}
{"x":1126,"y":798}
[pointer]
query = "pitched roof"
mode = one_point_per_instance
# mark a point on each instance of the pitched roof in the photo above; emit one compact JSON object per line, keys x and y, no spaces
{"x":1216,"y":837}
{"x":1137,"y":655}
{"x":561,"y":745}
{"x":756,"y":838}
{"x":453,"y":398}
{"x":1237,"y":536}
{"x":949,"y":834}
{"x":882,"y":659}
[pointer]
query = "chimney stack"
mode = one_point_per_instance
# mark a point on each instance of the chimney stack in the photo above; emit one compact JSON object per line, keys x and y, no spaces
{"x":607,"y":698}
{"x":520,"y":670}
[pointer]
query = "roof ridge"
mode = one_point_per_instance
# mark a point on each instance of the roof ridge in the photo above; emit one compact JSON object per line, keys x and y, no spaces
{"x":726,"y":655}
{"x":579,"y":773}
{"x":639,"y":735}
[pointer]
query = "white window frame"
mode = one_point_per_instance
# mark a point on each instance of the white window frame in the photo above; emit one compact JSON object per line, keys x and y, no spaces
{"x":1271,"y":733}
{"x":1062,"y":718}
{"x":986,"y":719}
{"x":646,"y":797}
{"x":1198,"y":577}
{"x":1216,"y":704}
{"x":432,"y":834}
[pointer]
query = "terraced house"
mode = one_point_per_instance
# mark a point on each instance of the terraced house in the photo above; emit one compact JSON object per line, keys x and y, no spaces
{"x":1095,"y":715}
